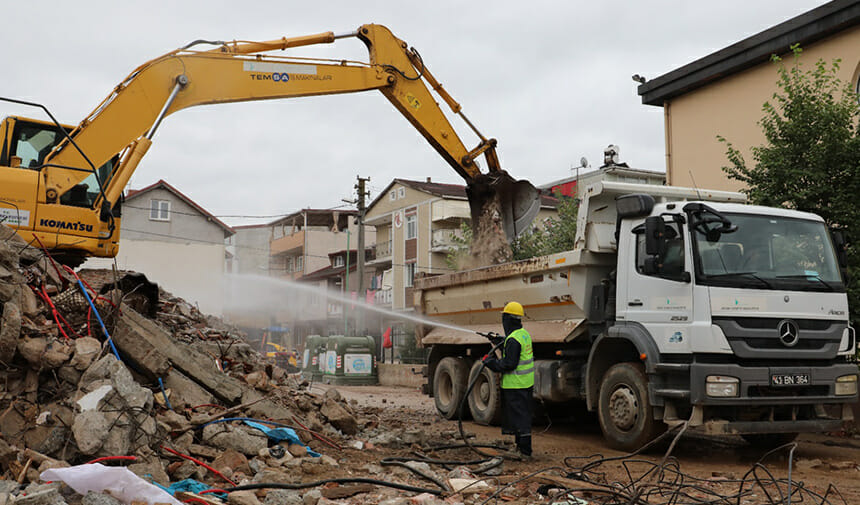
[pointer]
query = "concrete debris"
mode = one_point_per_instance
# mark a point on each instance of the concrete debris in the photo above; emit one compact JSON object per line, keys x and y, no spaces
{"x":68,"y":400}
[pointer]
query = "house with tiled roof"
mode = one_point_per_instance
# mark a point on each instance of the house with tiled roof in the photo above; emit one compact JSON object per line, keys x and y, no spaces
{"x":176,"y":242}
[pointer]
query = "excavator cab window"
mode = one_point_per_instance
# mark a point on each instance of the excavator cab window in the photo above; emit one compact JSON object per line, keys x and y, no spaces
{"x":87,"y":191}
{"x":33,"y":141}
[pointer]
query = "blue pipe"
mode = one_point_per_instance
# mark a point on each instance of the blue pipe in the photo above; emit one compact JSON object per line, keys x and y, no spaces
{"x":99,"y":317}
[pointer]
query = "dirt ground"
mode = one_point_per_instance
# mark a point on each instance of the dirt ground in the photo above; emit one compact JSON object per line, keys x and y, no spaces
{"x":818,"y":461}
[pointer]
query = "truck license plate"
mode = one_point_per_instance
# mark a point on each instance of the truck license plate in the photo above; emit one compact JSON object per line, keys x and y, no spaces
{"x":789,"y":379}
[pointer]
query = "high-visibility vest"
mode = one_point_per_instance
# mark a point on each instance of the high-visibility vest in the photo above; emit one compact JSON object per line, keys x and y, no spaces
{"x":524,"y":375}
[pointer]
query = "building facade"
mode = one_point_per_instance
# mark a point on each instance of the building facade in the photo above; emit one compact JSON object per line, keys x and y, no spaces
{"x":175,"y":242}
{"x":722,"y":94}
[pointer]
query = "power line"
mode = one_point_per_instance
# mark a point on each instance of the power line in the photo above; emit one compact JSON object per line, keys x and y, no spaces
{"x":198,"y":214}
{"x":267,"y":251}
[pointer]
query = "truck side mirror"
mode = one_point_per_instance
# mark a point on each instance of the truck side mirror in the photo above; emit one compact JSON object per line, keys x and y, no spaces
{"x":655,"y":236}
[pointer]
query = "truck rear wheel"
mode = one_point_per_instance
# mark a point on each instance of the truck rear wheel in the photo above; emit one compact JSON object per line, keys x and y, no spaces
{"x":485,"y":399}
{"x":449,"y":385}
{"x":624,"y":410}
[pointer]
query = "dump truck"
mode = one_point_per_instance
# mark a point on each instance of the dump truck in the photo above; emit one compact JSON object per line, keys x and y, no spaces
{"x":675,"y":305}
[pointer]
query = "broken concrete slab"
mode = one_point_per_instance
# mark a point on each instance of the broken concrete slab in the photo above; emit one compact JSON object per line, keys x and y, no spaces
{"x":90,"y":430}
{"x":136,"y":329}
{"x":10,"y":329}
{"x":338,"y":417}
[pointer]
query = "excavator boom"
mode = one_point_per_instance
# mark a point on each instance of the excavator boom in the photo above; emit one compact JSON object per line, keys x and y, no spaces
{"x":72,"y":202}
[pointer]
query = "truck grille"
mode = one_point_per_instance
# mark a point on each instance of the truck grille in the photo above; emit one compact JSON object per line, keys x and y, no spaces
{"x":759,"y":337}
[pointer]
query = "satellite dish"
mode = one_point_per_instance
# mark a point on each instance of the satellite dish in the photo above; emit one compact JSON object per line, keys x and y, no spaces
{"x":583,"y":162}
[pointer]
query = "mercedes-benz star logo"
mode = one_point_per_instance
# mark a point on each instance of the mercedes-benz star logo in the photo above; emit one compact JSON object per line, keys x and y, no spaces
{"x":788,"y":331}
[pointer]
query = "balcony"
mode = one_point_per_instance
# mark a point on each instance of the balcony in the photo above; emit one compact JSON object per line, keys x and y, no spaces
{"x":444,"y":239}
{"x":383,"y":298}
{"x":287,"y":243}
{"x":452,"y":211}
{"x":383,"y":253}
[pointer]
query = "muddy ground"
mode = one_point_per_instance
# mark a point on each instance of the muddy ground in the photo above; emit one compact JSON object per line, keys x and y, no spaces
{"x":819,"y":461}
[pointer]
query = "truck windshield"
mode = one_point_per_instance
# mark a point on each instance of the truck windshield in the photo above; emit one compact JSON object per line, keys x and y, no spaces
{"x":768,"y":252}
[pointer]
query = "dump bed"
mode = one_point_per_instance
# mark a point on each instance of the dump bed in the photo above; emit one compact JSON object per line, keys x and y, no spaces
{"x":554,"y":289}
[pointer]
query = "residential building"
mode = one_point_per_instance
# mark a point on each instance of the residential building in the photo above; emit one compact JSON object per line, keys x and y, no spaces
{"x":273,"y":292}
{"x":301,"y":242}
{"x":333,"y":315}
{"x":175,"y":242}
{"x":248,"y":250}
{"x":722,"y":94}
{"x":611,"y":170}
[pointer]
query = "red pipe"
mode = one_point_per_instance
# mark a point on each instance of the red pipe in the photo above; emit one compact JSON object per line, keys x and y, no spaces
{"x":204,"y":465}
{"x":112,"y":458}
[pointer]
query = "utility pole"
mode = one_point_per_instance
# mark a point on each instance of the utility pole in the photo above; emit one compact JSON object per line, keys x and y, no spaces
{"x":362,"y":193}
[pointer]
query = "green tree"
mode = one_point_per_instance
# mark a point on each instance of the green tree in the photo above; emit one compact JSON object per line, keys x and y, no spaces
{"x":811,"y":158}
{"x":556,"y":235}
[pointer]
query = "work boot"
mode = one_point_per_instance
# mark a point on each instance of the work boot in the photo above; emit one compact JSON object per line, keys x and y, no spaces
{"x":524,"y":446}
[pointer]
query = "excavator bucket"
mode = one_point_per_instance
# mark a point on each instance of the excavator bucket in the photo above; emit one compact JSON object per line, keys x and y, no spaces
{"x":501,"y":208}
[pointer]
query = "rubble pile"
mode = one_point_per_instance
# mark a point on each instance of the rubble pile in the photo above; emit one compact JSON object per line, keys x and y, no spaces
{"x":179,"y":392}
{"x":171,"y":406}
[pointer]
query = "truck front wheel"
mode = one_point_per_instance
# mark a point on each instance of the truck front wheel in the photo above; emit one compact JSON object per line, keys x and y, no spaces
{"x":485,"y":399}
{"x":624,"y":410}
{"x":449,"y":385}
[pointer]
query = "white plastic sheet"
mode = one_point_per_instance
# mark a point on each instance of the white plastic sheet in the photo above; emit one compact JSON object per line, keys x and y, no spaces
{"x":119,"y":482}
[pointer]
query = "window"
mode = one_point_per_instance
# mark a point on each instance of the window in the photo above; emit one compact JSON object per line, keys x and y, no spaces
{"x":159,"y":210}
{"x":401,"y":192}
{"x":392,"y":196}
{"x":411,"y":226}
{"x":289,"y":265}
{"x":671,"y":264}
{"x":300,"y":264}
{"x":410,"y":275}
{"x":338,"y":261}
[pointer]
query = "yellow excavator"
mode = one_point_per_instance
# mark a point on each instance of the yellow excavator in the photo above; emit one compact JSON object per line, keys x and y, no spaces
{"x":64,"y":185}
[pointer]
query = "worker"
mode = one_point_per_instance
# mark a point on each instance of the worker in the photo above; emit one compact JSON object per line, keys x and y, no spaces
{"x":518,"y":378}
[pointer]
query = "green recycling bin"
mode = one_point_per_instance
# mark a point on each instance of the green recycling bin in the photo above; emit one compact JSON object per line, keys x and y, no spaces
{"x":313,"y":359}
{"x":350,"y":360}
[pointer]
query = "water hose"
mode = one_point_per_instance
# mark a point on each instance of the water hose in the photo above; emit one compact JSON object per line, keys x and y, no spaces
{"x":490,"y":336}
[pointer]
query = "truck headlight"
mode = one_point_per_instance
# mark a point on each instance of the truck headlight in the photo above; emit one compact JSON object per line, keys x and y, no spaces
{"x":722,"y":386}
{"x":846,"y":385}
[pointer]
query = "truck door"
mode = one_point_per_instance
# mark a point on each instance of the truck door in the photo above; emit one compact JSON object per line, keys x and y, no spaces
{"x":659,"y":290}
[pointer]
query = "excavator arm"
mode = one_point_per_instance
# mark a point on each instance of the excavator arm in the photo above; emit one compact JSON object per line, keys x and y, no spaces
{"x":126,"y":121}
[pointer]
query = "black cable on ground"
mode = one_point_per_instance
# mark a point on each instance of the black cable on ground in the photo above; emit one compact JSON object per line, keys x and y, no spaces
{"x":356,"y":480}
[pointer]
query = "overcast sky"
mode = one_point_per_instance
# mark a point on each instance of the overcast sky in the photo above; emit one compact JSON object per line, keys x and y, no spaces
{"x":551,"y":80}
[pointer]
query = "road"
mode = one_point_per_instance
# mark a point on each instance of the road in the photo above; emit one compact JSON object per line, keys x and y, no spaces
{"x":818,"y":460}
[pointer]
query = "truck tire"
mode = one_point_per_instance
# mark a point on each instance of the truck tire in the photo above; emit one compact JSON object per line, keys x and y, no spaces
{"x":449,"y":385}
{"x":624,"y":410}
{"x":768,"y":440}
{"x":485,"y":399}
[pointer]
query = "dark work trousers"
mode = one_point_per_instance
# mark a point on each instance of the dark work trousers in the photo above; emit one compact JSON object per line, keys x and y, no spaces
{"x":517,"y":406}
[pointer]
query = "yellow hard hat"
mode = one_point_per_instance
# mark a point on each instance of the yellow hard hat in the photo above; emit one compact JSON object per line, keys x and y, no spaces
{"x":514,"y":309}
